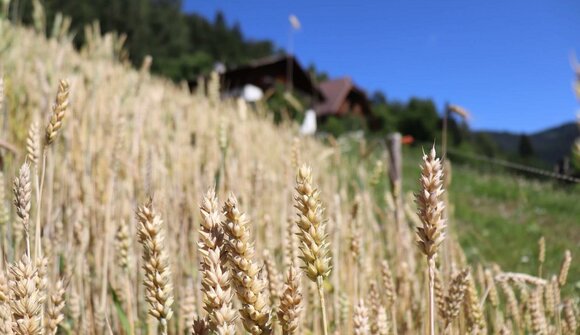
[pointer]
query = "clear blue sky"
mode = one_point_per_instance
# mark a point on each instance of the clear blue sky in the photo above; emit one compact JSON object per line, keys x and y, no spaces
{"x":505,"y":61}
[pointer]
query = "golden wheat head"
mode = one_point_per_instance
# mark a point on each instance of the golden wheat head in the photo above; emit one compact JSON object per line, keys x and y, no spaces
{"x":58,"y":112}
{"x":157,"y":280}
{"x":430,"y":206}
{"x":314,"y":245}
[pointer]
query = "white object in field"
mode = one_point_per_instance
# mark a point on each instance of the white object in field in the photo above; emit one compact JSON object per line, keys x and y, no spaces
{"x":252,"y":93}
{"x":309,"y":124}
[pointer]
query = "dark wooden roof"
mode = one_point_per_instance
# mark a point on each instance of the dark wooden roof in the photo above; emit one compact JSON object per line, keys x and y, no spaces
{"x":265,"y":72}
{"x":336,"y":92}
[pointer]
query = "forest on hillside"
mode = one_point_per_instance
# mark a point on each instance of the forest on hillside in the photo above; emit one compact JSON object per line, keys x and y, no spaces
{"x":183,"y":45}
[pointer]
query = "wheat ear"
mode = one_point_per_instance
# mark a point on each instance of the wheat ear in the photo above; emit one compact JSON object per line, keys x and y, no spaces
{"x":5,"y":313}
{"x":249,"y":287}
{"x":361,"y":319}
{"x":201,"y":326}
{"x":58,"y":112}
{"x":564,"y":268}
{"x":33,"y":143}
{"x":55,"y":309}
{"x":26,"y":299}
{"x":430,"y":207}
{"x":389,"y":292}
{"x":22,"y":195}
{"x":157,"y":280}
{"x":570,"y":316}
{"x":539,"y":325}
{"x":430,"y":211}
{"x":440,"y":295}
{"x":52,"y":129}
{"x":314,"y":245}
{"x":475,"y":318}
{"x":273,"y":277}
{"x":4,"y":209}
{"x":217,"y":292}
{"x":512,"y":302}
{"x":541,"y":255}
{"x":188,"y":309}
{"x":455,"y":295}
{"x":1,"y":93}
{"x":122,"y":246}
{"x":491,"y":288}
{"x":374,"y":304}
{"x":291,"y":303}
{"x":382,"y":322}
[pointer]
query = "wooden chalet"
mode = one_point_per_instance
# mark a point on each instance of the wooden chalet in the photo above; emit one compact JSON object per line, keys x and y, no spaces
{"x":267,"y":72}
{"x":343,"y":98}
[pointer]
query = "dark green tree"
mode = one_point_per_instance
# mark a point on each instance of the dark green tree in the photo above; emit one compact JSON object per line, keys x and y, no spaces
{"x":383,"y":117}
{"x":420,"y":120}
{"x":525,"y":148}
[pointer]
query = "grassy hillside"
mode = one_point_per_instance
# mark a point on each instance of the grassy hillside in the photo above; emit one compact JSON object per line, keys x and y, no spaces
{"x":500,"y":217}
{"x":549,"y":145}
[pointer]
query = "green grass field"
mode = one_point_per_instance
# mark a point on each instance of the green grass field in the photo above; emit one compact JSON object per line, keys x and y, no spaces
{"x":499,"y":217}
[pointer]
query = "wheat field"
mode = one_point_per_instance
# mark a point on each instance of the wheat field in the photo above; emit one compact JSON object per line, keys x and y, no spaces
{"x":131,"y":206}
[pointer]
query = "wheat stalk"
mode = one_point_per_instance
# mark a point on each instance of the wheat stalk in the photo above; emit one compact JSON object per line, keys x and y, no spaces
{"x":430,"y":211}
{"x":312,"y":234}
{"x":157,"y":280}
{"x":355,"y":242}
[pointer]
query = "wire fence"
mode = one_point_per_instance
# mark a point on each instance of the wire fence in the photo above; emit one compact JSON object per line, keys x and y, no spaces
{"x":514,"y":166}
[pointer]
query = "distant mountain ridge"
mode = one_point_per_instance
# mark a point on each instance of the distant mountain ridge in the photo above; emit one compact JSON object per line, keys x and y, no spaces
{"x":549,"y":145}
